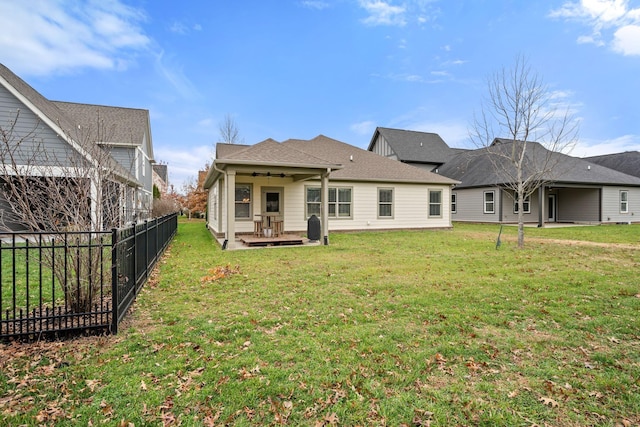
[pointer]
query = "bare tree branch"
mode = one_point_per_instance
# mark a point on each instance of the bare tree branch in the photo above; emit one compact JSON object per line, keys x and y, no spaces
{"x":229,"y":131}
{"x":521,"y":132}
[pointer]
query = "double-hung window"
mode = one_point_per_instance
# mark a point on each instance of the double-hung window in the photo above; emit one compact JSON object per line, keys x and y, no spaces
{"x":526,"y":204}
{"x":435,"y":203}
{"x":243,"y":201}
{"x":489,"y":202}
{"x":340,"y":201}
{"x":385,"y":202}
{"x":624,"y":201}
{"x":454,"y":202}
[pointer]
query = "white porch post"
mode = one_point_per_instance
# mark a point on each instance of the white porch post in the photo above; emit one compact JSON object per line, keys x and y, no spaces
{"x":95,"y":200}
{"x":325,"y":206}
{"x":230,"y":235}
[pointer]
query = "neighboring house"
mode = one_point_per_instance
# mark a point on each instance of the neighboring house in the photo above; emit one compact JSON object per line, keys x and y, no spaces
{"x":60,"y":138}
{"x":161,"y":178}
{"x":296,"y":179}
{"x":575,"y":191}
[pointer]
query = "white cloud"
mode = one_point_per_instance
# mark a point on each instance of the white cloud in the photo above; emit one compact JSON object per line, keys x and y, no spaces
{"x":586,"y":148}
{"x":175,"y":76}
{"x":64,"y":35}
{"x":612,"y":22}
{"x":383,"y":13}
{"x":183,"y":164}
{"x":363,"y":128}
{"x":626,"y":40}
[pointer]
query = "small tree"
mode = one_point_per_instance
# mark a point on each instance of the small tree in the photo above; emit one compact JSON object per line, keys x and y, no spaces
{"x":195,"y":194}
{"x":530,"y":131}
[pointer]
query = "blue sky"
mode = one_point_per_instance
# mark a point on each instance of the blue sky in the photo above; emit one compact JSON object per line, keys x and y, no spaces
{"x":298,"y":68}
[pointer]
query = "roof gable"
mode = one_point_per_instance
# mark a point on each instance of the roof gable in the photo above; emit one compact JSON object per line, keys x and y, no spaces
{"x":57,"y":120}
{"x":414,"y":146}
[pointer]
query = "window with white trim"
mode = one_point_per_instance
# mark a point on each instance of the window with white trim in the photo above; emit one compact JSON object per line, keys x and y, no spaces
{"x":385,"y":202}
{"x":435,"y":203}
{"x":526,"y":204}
{"x":340,"y":201}
{"x":489,"y":202}
{"x":624,"y":201}
{"x":243,"y":201}
{"x":454,"y":202}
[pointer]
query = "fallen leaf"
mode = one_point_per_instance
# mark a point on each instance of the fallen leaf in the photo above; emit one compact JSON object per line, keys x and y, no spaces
{"x":549,"y":402}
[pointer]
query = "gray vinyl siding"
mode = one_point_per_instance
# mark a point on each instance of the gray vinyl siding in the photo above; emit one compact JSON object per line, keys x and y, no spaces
{"x":508,"y":208}
{"x":470,"y":205}
{"x":43,"y":146}
{"x":578,"y":205}
{"x":611,"y":204}
{"x":381,"y":147}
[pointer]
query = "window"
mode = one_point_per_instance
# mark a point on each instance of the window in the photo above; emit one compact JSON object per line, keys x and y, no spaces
{"x":526,"y":204}
{"x":624,"y":201}
{"x":489,"y":202}
{"x":339,"y":201}
{"x":385,"y":202}
{"x":454,"y":203}
{"x":435,"y":203}
{"x":243,"y":201}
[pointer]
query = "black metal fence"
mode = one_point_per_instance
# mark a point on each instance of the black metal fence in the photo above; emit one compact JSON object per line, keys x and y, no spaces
{"x":54,"y":285}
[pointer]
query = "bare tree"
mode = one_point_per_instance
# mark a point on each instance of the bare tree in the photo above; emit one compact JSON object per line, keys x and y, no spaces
{"x":522,"y":131}
{"x":229,"y":132}
{"x":66,"y":186}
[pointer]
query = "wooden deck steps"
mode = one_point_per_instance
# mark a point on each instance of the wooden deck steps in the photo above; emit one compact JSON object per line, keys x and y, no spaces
{"x":281,"y":240}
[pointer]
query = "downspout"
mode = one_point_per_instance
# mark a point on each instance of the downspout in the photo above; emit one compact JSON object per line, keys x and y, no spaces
{"x":226,"y":238}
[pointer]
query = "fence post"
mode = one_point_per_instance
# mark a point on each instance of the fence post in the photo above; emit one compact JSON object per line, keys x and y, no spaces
{"x":114,"y":281}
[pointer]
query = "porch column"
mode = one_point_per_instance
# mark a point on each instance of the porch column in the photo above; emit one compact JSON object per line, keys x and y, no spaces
{"x":325,"y":206}
{"x":541,"y":206}
{"x":230,"y":234}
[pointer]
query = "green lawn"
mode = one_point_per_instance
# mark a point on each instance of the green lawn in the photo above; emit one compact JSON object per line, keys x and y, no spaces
{"x":408,"y":328}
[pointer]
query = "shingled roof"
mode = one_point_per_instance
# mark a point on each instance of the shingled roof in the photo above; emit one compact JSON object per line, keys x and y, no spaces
{"x":413,"y":146}
{"x":362,"y":165}
{"x":475,"y":168}
{"x":121,"y":125}
{"x":347,"y":163}
{"x":627,"y":162}
{"x":53,"y":116}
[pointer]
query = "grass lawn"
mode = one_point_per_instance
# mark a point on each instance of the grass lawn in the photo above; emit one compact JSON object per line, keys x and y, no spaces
{"x":415,"y":328}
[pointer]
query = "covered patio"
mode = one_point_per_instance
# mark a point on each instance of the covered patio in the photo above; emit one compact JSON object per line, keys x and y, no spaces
{"x":250,"y":192}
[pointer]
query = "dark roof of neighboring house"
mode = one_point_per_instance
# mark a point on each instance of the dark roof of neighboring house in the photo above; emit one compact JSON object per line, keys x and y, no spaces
{"x":475,"y":168}
{"x":363,"y":165}
{"x":118,"y":124}
{"x":413,"y":146}
{"x":161,"y":171}
{"x":627,"y":162}
{"x":59,"y":118}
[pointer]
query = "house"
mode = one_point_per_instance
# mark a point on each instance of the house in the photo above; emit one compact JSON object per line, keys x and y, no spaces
{"x":160,"y":178}
{"x":107,"y":150}
{"x":574,"y":191}
{"x":295,"y":179}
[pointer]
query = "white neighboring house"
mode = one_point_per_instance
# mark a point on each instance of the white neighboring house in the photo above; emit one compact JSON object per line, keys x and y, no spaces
{"x":57,"y":135}
{"x":357,"y":189}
